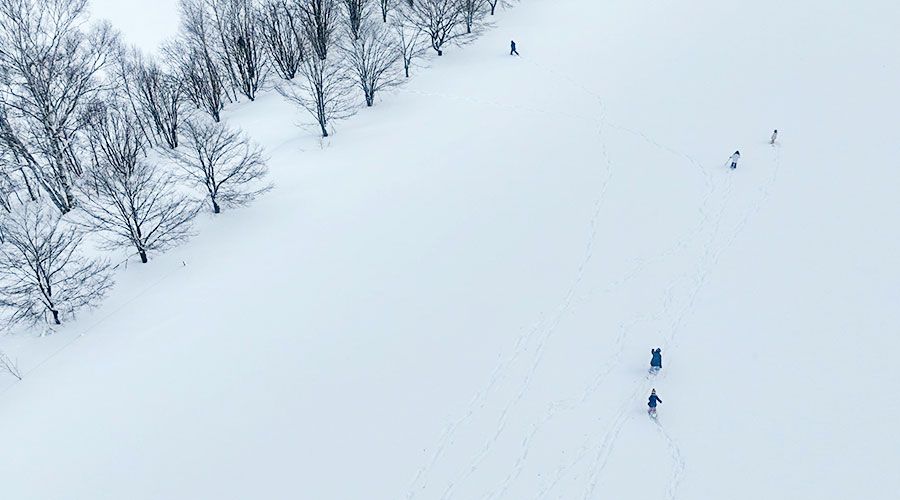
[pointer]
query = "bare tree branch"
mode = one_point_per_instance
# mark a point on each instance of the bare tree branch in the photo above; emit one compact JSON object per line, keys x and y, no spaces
{"x":10,"y":366}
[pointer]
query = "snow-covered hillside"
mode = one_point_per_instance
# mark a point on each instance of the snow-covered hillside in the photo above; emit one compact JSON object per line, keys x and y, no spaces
{"x":455,"y":296}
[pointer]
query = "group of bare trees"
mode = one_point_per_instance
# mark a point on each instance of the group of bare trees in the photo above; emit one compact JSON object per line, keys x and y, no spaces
{"x":102,"y":144}
{"x":317,"y":51}
{"x":370,"y":45}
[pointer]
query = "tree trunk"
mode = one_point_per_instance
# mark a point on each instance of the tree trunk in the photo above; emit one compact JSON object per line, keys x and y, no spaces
{"x":28,"y":185}
{"x":55,"y":316}
{"x":216,"y":208}
{"x":143,"y":254}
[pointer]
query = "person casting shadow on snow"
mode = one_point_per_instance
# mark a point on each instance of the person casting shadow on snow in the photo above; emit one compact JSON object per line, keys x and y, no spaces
{"x":512,"y":48}
{"x":656,"y":360}
{"x":654,"y":400}
{"x":774,"y":136}
{"x":734,"y":159}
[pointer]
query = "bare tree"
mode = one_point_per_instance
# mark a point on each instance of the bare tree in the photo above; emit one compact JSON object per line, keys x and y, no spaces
{"x":324,"y":91}
{"x":472,"y":12}
{"x":50,"y":68}
{"x":438,"y":19}
{"x":42,"y":275}
{"x":386,"y":7}
{"x":154,"y":95}
{"x":224,"y":162}
{"x":408,"y":44}
{"x":10,"y":366}
{"x":372,"y":57}
{"x":493,"y":4}
{"x":283,"y":36}
{"x":356,"y":11}
{"x":241,"y":44}
{"x":130,"y":200}
{"x":318,"y":18}
{"x":193,"y":56}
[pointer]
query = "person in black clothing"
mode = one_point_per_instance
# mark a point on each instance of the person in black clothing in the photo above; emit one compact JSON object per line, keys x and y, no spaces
{"x":512,"y":48}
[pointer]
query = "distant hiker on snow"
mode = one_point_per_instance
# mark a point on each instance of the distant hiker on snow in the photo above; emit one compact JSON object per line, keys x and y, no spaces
{"x":654,"y":400}
{"x":512,"y":48}
{"x":774,"y":136}
{"x":656,"y":360}
{"x":734,"y":159}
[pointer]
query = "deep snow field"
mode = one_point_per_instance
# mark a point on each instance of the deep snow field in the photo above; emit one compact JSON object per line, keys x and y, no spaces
{"x":455,"y":295}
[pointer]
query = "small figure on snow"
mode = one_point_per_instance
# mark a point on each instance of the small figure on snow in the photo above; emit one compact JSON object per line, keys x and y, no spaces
{"x":774,"y":136}
{"x":654,"y":400}
{"x":734,"y":159}
{"x":656,"y":360}
{"x":512,"y":48}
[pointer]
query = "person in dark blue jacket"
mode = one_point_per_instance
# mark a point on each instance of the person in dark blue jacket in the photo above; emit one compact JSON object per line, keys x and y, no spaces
{"x":656,"y":360}
{"x":654,"y":400}
{"x":512,"y":48}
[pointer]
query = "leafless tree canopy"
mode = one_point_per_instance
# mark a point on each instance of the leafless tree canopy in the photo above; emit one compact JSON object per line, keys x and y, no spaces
{"x":154,"y":95}
{"x":224,"y":162}
{"x":386,"y":7}
{"x":282,"y":33}
{"x":372,"y":59}
{"x":473,"y":11}
{"x":193,"y":56}
{"x":42,"y":276}
{"x":318,"y":18}
{"x":438,"y":19}
{"x":356,"y":11}
{"x":240,"y":43}
{"x":50,"y":65}
{"x":408,"y":44}
{"x":323,"y":91}
{"x":131,"y":200}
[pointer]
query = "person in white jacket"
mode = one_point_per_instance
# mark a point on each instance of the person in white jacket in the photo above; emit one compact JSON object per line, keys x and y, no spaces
{"x":734,"y":159}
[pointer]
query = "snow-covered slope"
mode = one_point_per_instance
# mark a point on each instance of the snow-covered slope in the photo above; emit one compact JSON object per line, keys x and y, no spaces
{"x":455,"y":296}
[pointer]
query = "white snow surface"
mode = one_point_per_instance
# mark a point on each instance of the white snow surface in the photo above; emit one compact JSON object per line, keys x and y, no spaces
{"x":455,"y":296}
{"x":143,"y":23}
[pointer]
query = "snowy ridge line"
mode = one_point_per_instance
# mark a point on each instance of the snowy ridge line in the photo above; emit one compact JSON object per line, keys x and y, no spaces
{"x":96,"y":323}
